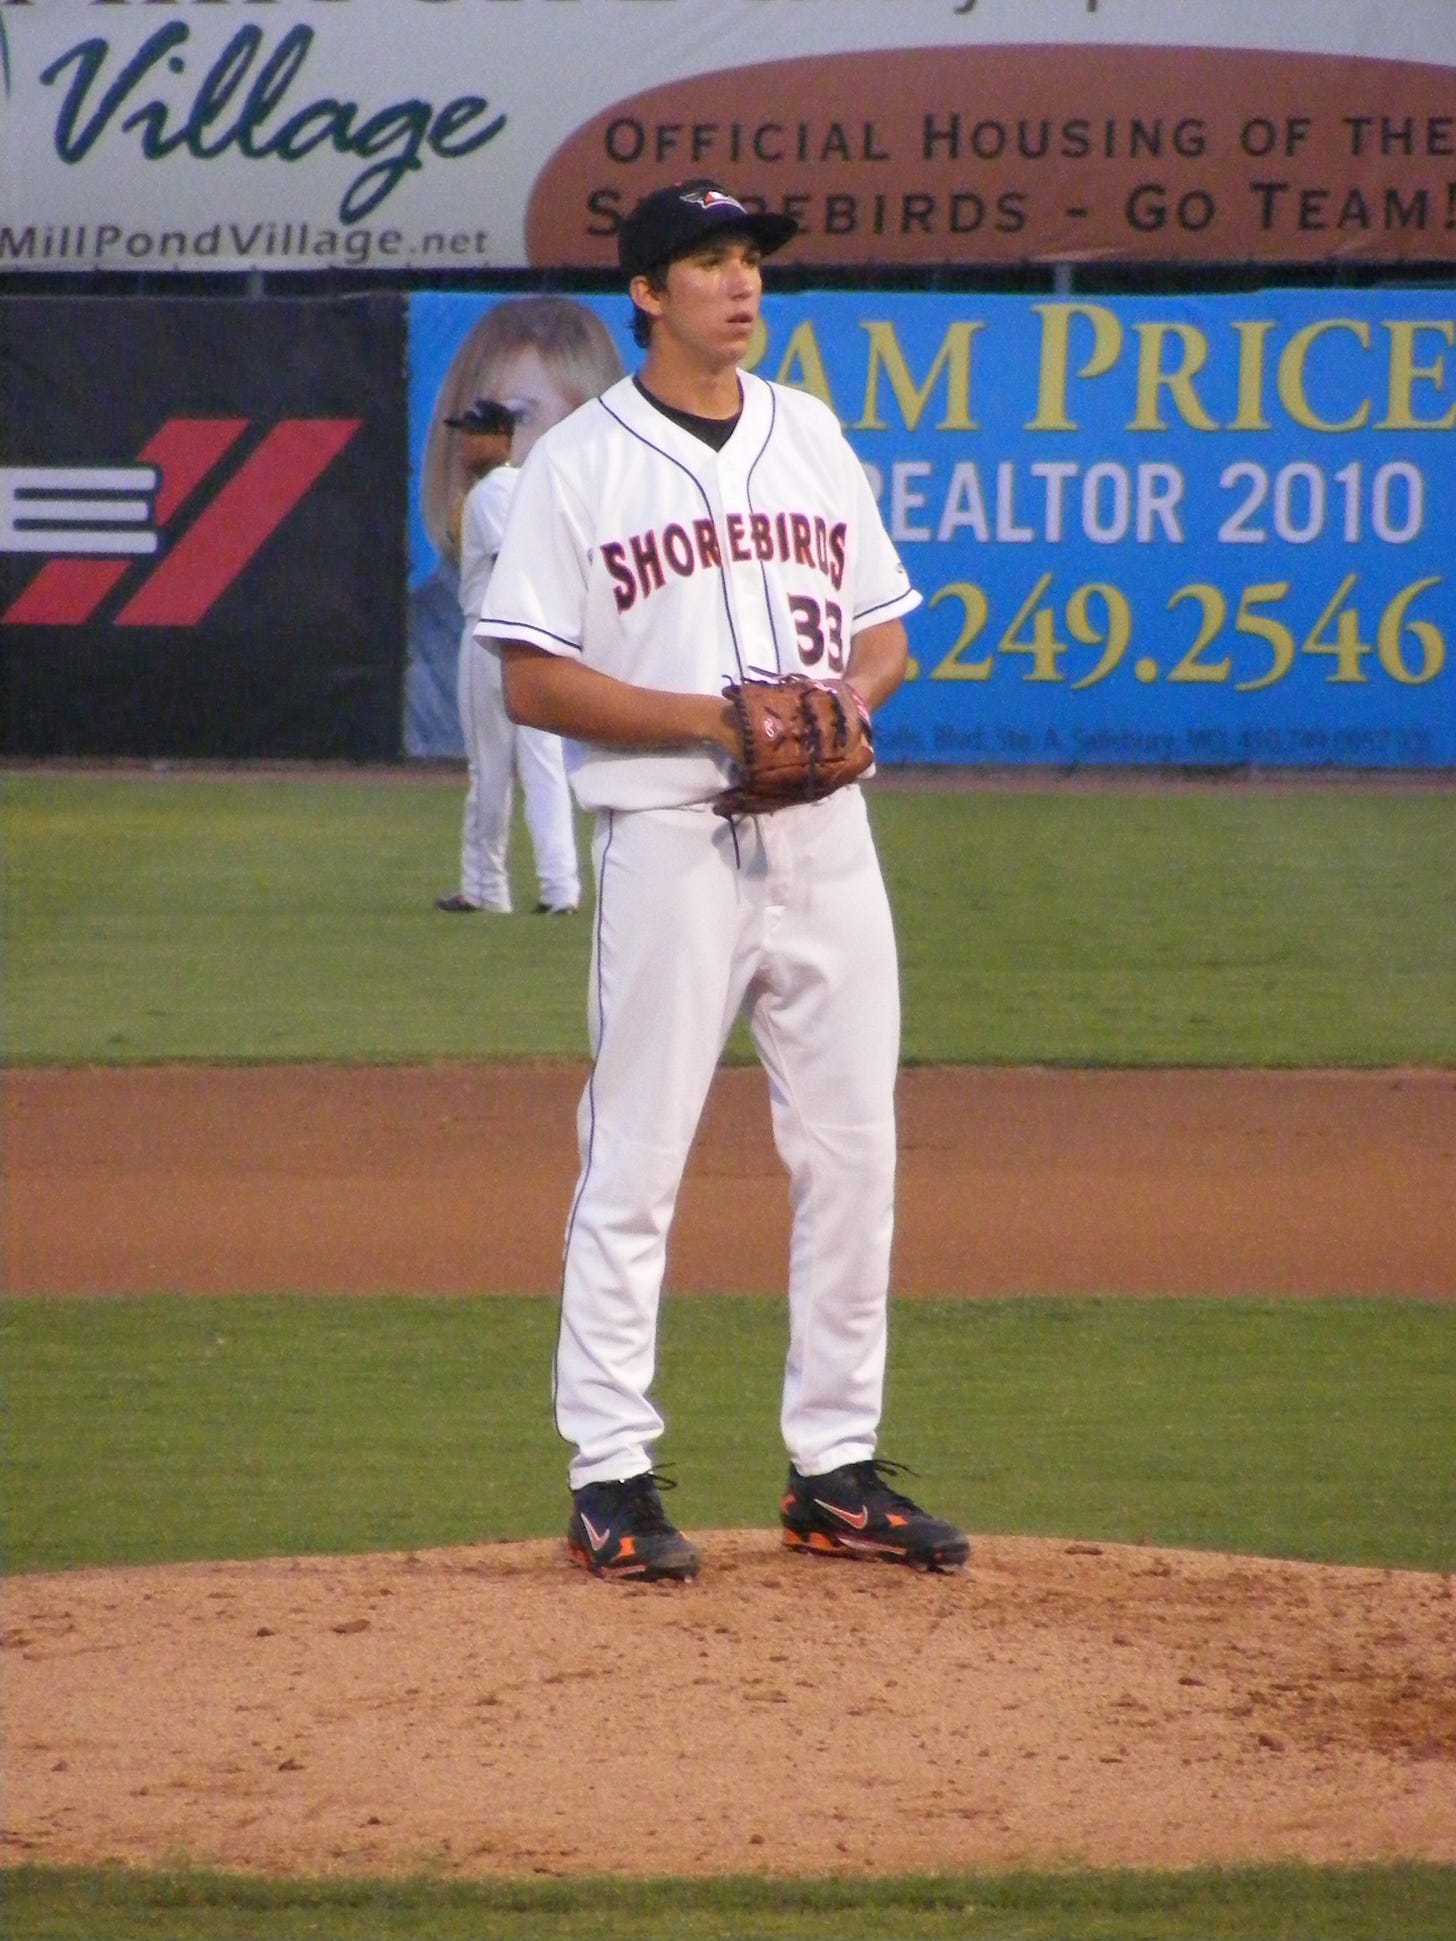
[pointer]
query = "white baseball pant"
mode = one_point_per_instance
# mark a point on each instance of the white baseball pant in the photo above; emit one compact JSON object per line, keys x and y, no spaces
{"x":795,"y":931}
{"x":496,"y":749}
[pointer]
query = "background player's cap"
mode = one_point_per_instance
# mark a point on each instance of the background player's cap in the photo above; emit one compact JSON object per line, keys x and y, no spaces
{"x":485,"y":415}
{"x":671,"y":221}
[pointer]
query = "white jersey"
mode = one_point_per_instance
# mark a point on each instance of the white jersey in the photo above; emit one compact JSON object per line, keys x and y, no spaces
{"x":637,"y":548}
{"x":482,"y":527}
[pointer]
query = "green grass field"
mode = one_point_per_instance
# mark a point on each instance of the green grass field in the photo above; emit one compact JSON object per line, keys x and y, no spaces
{"x":159,"y":918}
{"x":1319,"y":1430}
{"x":248,"y":918}
{"x":1400,"y":1903}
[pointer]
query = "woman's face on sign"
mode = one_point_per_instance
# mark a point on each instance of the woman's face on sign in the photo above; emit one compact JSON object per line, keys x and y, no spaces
{"x":526,"y":383}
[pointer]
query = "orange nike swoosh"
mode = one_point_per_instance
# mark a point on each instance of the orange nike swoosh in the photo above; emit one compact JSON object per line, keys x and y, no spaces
{"x":855,"y":1519}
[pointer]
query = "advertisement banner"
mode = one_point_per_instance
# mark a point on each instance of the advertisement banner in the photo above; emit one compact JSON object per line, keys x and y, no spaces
{"x":468,"y":134}
{"x":1210,"y":532}
{"x":201,"y":527}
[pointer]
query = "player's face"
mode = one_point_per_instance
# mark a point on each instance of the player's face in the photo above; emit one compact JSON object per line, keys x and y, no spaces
{"x":482,"y":451}
{"x":526,"y":383}
{"x":708,"y":303}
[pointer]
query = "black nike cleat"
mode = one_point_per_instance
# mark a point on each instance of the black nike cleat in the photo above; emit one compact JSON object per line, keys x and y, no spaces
{"x":622,"y":1530}
{"x":853,"y":1512}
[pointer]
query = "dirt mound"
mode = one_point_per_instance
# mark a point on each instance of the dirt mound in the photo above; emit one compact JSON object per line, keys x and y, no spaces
{"x":490,"y":1711}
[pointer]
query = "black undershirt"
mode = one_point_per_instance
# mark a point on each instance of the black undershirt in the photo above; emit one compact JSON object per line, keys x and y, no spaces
{"x":713,"y":431}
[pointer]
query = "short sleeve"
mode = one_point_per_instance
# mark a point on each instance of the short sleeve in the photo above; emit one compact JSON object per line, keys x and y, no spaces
{"x":538,"y":590}
{"x":882,"y":589}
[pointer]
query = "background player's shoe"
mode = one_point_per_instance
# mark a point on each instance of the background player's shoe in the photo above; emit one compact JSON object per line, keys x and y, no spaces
{"x":622,"y":1530}
{"x":853,"y":1512}
{"x":555,"y":910}
{"x":457,"y":905}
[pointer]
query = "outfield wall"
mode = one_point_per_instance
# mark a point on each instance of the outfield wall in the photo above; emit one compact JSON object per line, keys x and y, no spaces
{"x":1204,"y":530}
{"x":1175,"y":528}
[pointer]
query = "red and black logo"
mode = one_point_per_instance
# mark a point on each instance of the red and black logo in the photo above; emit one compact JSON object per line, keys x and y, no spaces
{"x":165,"y":537}
{"x":203,"y":527}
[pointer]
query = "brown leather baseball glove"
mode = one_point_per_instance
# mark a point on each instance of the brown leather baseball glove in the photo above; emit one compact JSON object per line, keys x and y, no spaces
{"x":802,"y":739}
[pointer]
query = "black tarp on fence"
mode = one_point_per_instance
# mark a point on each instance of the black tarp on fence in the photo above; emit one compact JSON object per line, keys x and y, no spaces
{"x":202,"y":527}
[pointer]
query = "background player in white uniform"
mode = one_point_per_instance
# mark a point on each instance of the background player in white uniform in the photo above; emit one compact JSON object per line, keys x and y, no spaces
{"x":495,"y":748}
{"x":542,"y":356}
{"x":692,"y":526}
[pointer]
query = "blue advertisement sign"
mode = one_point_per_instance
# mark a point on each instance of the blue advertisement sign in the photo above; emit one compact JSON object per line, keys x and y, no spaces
{"x":1203,"y":531}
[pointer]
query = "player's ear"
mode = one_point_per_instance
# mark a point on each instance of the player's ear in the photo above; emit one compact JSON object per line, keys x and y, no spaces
{"x":646,"y":293}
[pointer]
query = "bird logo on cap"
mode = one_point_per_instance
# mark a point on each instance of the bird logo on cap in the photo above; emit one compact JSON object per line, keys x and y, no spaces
{"x":713,"y":199}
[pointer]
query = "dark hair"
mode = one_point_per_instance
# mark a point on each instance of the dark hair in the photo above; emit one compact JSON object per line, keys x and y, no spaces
{"x":642,"y":322}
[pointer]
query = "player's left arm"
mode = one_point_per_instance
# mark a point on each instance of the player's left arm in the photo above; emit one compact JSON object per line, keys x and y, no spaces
{"x":470,"y":540}
{"x":877,"y":660}
{"x":495,"y":507}
{"x":879,"y":649}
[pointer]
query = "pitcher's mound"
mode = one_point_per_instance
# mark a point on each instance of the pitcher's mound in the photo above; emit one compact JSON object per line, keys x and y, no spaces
{"x":491,"y":1710}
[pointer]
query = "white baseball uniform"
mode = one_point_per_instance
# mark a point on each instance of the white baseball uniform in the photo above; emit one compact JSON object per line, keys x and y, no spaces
{"x":638,"y":548}
{"x":496,"y":749}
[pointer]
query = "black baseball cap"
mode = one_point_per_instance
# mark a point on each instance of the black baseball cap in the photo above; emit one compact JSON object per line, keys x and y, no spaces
{"x":485,"y":415}
{"x":671,"y":221}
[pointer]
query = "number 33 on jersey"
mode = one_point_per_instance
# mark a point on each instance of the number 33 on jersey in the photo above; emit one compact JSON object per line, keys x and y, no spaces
{"x":763,"y":558}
